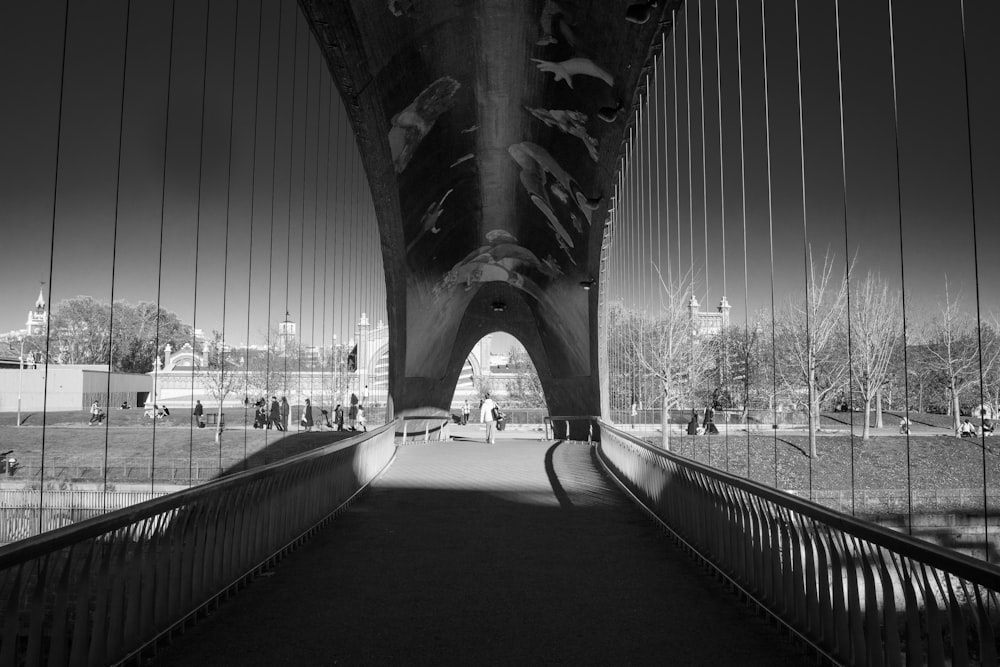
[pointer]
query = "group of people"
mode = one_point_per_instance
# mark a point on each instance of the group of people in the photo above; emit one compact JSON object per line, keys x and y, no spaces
{"x":707,"y":426}
{"x":276,"y":415}
{"x":968,"y":430}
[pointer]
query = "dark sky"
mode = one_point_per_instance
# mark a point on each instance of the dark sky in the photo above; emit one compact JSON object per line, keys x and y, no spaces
{"x":303,"y":140}
{"x":935,"y":191}
{"x":280,"y":190}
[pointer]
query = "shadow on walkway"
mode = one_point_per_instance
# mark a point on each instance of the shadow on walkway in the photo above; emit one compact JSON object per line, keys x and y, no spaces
{"x":466,"y":553}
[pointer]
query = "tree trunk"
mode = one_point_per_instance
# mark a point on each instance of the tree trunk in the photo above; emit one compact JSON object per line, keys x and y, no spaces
{"x":813,"y":415}
{"x":665,"y":423}
{"x":878,"y":407}
{"x":866,"y":431}
{"x":218,"y":426}
{"x":956,"y":412}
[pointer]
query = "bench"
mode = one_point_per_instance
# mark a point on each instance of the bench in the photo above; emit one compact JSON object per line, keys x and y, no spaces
{"x":212,"y":418}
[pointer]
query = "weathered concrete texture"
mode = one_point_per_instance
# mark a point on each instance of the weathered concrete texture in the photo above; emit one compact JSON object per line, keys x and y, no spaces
{"x":518,"y":553}
{"x":480,"y":126}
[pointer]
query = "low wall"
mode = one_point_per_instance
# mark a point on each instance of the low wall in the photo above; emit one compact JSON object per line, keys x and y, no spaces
{"x":952,"y":518}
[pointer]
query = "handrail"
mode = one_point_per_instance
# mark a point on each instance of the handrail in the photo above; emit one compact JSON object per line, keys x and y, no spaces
{"x":550,"y":420}
{"x":427,"y":430}
{"x":852,"y":589}
{"x":101,"y":590}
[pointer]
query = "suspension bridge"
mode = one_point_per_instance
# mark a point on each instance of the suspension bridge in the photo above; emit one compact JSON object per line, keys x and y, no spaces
{"x":745,"y":243}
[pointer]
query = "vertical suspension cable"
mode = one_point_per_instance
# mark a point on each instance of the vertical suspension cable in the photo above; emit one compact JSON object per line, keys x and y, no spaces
{"x":747,"y":344}
{"x":902,"y":268}
{"x":704,"y":146}
{"x":253,"y":207}
{"x":805,"y":237}
{"x":114,"y":253}
{"x":677,"y":149}
{"x":847,"y":245}
{"x":651,"y":221}
{"x":690,"y":161}
{"x":326,"y":244}
{"x":52,"y":252}
{"x":660,"y":150}
{"x":770,"y":237}
{"x":638,"y":270}
{"x":223,"y":386}
{"x":197,"y":238}
{"x":724,"y":379}
{"x":159,"y":267}
{"x":722,"y":171}
{"x":288,"y":221}
{"x":270,"y":264}
{"x":666,"y":161}
{"x":975,"y":255}
{"x":342,"y":260}
{"x":302,"y":238}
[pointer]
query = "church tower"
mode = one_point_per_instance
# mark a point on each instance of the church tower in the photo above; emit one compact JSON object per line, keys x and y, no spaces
{"x":38,"y":319}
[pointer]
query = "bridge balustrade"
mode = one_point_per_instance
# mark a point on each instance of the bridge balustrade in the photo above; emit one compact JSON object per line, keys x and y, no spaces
{"x":102,"y":590}
{"x":856,"y":592}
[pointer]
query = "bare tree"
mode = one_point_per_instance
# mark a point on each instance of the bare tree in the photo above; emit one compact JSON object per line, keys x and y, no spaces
{"x":808,"y":335}
{"x":875,"y":331}
{"x":954,"y":352}
{"x":747,"y":378}
{"x":666,"y":345}
{"x":221,"y":378}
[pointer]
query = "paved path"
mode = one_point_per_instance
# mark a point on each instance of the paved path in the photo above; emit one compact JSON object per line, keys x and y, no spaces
{"x":518,"y":553}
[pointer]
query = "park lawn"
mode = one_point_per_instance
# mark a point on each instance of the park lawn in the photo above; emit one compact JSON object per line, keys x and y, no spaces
{"x":122,"y":418}
{"x":935,"y":461}
{"x":78,"y":452}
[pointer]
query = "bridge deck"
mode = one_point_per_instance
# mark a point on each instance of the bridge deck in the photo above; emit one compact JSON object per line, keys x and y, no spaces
{"x":465,"y":553}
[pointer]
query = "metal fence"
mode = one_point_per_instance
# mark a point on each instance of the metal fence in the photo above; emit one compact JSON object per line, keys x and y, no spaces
{"x":21,"y":513}
{"x":99,"y":591}
{"x":856,"y":592}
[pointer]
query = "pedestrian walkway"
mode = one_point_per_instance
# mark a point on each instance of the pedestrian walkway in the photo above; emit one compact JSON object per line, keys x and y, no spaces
{"x":518,"y":553}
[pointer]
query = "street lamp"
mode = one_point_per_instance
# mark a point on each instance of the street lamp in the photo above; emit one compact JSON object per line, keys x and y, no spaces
{"x":20,"y":372}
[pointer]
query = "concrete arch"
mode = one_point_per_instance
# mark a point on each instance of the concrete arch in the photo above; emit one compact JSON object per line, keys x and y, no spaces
{"x":564,"y":392}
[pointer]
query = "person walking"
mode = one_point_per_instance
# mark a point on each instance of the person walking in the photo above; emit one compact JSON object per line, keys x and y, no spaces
{"x":199,"y":413}
{"x":692,"y":428}
{"x":361,"y":418}
{"x":488,"y":414}
{"x":285,"y":410}
{"x":352,"y":414}
{"x":338,"y":417}
{"x":274,"y":416}
{"x":307,"y":417}
{"x":465,"y":412}
{"x":96,"y":414}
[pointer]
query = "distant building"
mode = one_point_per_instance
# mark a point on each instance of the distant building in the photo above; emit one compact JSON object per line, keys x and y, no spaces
{"x":710,"y":323}
{"x":38,"y":319}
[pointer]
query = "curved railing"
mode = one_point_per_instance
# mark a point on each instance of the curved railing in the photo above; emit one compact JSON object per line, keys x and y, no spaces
{"x":422,"y":428}
{"x":856,"y":592}
{"x":101,"y":590}
{"x":554,"y":422}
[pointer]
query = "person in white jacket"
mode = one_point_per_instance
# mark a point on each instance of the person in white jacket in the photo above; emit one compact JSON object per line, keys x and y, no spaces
{"x":486,"y":416}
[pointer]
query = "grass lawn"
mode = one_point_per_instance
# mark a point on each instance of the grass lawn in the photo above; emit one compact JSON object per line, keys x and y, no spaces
{"x":75,"y":451}
{"x":936,"y":462}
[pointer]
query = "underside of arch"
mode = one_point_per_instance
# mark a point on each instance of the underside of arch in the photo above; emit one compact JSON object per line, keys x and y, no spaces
{"x":491,"y":133}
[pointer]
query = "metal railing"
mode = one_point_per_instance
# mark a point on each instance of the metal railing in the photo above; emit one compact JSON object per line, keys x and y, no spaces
{"x":552,"y":422}
{"x":102,"y":590}
{"x":427,"y":428}
{"x":856,"y":592}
